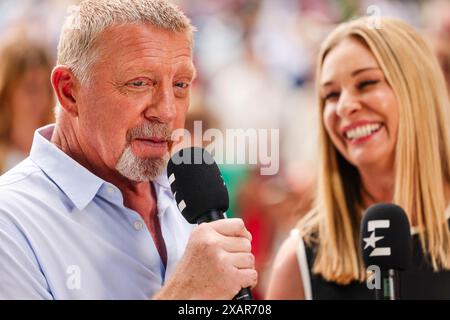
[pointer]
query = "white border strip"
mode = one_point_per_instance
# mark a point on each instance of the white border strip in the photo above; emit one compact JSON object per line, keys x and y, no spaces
{"x":304,"y":269}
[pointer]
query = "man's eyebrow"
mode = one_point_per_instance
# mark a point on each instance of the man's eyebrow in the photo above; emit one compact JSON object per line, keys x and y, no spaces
{"x":353,"y":74}
{"x":191,"y":71}
{"x":134,"y":69}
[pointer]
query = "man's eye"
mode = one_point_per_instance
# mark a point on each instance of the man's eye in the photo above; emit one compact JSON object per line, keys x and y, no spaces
{"x":139,"y":83}
{"x":182,"y":85}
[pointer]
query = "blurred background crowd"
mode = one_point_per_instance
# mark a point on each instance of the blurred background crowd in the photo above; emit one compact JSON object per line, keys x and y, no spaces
{"x":255,"y":61}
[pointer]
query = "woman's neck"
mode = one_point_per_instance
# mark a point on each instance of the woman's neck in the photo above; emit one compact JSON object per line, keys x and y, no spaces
{"x":377,"y":186}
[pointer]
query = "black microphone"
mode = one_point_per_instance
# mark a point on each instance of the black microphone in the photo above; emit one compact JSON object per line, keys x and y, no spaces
{"x":386,"y":247}
{"x":199,"y":190}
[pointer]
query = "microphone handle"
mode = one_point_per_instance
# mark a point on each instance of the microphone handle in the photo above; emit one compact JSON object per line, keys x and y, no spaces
{"x":244,"y":294}
{"x":213,"y":215}
{"x":390,"y":288}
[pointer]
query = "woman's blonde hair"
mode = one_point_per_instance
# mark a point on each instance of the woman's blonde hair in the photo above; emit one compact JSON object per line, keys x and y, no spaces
{"x":422,"y":156}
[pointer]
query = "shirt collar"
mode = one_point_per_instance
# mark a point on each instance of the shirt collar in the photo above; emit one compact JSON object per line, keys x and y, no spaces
{"x":79,"y":184}
{"x":163,"y":181}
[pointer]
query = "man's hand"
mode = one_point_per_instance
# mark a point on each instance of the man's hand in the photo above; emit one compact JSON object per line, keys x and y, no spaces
{"x":217,"y":263}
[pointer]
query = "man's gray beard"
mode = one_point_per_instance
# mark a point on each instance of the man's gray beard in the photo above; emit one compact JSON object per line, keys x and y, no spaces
{"x":141,"y":170}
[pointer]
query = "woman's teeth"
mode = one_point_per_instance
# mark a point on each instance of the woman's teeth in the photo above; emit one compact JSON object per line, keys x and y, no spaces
{"x":362,"y":131}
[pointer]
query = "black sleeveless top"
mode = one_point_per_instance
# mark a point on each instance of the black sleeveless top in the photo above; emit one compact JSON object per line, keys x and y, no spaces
{"x":419,"y":282}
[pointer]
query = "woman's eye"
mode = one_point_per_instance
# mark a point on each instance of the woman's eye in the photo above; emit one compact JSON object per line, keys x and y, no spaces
{"x":332,"y":95}
{"x":365,"y":84}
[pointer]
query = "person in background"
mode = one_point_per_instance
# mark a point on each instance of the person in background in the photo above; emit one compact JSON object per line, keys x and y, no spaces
{"x":437,"y":21}
{"x":26,"y":98}
{"x":384,"y":137}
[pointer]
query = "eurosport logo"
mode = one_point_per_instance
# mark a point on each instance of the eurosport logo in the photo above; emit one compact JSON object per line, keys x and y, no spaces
{"x":373,"y":239}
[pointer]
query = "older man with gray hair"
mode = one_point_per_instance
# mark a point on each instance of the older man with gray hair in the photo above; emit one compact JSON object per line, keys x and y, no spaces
{"x":90,"y":215}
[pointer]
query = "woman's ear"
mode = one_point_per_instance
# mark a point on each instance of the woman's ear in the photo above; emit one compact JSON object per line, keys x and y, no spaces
{"x":66,"y":88}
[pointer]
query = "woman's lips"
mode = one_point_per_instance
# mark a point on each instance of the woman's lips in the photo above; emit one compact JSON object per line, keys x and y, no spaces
{"x":363,"y":136}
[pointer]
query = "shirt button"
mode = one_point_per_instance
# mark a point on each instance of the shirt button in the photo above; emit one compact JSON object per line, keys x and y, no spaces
{"x":138,"y":225}
{"x":111,"y":190}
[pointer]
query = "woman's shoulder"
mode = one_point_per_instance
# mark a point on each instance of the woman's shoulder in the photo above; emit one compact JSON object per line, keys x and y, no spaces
{"x":285,"y":280}
{"x":287,"y":254}
{"x":288,"y":249}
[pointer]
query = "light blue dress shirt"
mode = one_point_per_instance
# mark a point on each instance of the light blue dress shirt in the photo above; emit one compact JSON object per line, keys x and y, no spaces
{"x":66,"y":234}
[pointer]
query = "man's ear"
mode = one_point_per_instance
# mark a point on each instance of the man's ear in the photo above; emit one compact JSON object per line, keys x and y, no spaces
{"x":66,"y":87}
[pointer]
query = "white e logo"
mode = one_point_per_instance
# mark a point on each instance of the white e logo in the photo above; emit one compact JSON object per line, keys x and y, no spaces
{"x":372,"y":239}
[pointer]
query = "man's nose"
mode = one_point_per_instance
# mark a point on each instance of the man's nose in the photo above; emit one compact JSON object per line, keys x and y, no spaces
{"x":163,"y":106}
{"x":347,"y":105}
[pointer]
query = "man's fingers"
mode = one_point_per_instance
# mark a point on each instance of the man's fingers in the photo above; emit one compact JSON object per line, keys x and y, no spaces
{"x":249,"y":278}
{"x":231,"y":227}
{"x":242,"y":260}
{"x":235,"y":244}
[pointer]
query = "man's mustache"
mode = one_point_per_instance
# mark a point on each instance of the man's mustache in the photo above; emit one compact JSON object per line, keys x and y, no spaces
{"x":150,"y":130}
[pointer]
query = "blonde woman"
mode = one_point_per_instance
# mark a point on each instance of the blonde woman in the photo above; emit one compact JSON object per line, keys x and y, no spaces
{"x":384,"y":137}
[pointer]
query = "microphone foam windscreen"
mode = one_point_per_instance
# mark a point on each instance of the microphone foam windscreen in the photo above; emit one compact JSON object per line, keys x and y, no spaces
{"x":196,"y":183}
{"x":386,"y":237}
